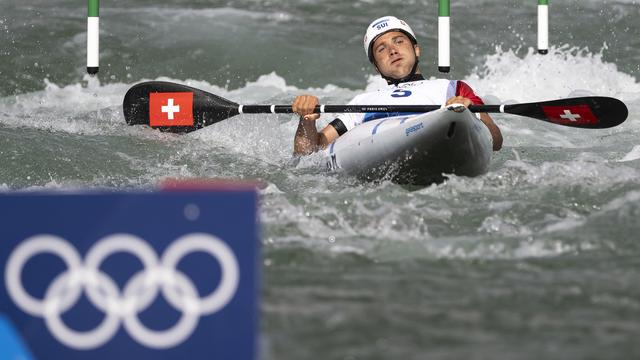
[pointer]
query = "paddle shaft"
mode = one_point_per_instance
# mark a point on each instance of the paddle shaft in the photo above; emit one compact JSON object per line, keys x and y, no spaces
{"x":321,"y":109}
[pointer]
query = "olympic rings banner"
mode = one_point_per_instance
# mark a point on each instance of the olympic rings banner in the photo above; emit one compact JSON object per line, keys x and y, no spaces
{"x":155,"y":275}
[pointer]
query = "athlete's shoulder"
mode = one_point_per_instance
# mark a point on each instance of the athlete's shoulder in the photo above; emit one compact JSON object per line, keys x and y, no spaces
{"x":463,"y":85}
{"x":463,"y":89}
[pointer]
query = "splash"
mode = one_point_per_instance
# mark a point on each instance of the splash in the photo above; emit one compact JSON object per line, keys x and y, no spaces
{"x":566,"y":71}
{"x":634,"y":154}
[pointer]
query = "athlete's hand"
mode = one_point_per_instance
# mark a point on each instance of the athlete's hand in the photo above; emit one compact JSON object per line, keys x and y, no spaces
{"x":304,"y":105}
{"x":459,"y":100}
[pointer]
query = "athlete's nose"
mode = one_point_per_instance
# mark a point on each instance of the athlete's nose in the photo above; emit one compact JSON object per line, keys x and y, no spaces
{"x":393,"y":49}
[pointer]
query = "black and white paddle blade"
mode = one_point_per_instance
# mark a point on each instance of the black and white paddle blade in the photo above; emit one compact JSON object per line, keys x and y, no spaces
{"x":174,"y":107}
{"x":594,"y":112}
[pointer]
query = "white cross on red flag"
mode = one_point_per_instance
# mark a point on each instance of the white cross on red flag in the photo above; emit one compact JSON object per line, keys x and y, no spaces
{"x":571,"y":115}
{"x":171,"y":109}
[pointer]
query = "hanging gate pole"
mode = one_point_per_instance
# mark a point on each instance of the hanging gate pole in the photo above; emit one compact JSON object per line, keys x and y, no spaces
{"x":93,"y":36}
{"x":543,"y":26}
{"x":444,"y":37}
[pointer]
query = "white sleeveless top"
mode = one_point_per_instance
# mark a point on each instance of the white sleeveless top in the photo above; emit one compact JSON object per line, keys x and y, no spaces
{"x":423,"y":92}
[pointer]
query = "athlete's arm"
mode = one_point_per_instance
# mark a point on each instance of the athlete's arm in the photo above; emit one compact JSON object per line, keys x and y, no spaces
{"x":466,"y":96}
{"x":496,"y":134}
{"x":307,"y":139}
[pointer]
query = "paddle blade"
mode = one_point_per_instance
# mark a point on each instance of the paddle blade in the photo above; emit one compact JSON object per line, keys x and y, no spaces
{"x":593,"y":112}
{"x":174,"y":107}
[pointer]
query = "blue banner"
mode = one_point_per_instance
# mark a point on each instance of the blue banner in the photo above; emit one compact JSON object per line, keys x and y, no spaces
{"x":157,"y":275}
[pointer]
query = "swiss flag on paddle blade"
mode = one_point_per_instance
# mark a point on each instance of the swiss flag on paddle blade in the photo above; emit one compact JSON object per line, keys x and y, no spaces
{"x":171,"y":109}
{"x":570,"y":115}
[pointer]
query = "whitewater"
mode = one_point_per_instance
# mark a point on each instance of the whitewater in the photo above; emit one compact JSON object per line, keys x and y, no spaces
{"x":536,"y":259}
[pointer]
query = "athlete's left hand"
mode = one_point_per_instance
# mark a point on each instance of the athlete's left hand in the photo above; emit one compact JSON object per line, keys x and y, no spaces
{"x":459,"y":100}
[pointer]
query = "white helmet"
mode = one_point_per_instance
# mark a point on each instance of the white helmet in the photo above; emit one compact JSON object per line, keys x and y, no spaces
{"x":382,"y":25}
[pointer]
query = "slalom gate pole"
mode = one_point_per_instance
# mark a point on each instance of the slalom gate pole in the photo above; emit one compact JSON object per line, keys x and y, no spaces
{"x":93,"y":36}
{"x":444,"y":36}
{"x":543,"y":26}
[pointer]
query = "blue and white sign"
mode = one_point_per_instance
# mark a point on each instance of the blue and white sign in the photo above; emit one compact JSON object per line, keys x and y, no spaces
{"x":163,"y":275}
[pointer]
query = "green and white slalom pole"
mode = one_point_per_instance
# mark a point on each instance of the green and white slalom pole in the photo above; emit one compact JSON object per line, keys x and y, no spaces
{"x":543,"y":26}
{"x":444,"y":37}
{"x":93,"y":37}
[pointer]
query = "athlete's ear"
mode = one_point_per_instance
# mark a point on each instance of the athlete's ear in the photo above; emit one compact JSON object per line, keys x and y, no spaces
{"x":417,"y":49}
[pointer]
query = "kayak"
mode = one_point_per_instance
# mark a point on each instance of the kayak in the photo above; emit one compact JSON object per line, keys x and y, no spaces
{"x":414,"y":149}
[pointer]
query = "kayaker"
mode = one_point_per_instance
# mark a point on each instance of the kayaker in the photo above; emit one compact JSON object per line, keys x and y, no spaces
{"x":392,"y":48}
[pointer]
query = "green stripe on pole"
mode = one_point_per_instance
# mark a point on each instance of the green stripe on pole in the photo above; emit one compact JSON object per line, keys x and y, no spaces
{"x":543,"y":2}
{"x":443,"y":8}
{"x":94,"y":8}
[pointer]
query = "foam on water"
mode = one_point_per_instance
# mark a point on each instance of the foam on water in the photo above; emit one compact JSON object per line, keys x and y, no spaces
{"x":76,"y":109}
{"x":634,"y":154}
{"x":564,"y":71}
{"x":182,"y":15}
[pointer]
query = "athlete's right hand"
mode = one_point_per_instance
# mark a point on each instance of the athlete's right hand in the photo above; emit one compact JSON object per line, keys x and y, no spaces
{"x":304,"y":105}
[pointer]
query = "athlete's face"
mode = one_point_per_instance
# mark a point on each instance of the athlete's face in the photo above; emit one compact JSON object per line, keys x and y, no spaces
{"x":394,"y":54}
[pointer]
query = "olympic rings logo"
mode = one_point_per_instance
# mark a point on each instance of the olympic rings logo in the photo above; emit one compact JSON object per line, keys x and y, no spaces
{"x":138,"y":293}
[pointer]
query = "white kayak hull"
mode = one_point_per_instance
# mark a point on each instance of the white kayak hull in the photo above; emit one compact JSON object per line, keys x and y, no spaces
{"x":418,"y":150}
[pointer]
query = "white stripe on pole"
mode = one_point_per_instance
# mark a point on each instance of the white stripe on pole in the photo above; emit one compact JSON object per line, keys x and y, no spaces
{"x":444,"y":44}
{"x":93,"y":41}
{"x":543,"y":28}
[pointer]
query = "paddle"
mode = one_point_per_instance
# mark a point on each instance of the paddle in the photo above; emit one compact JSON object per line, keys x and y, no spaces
{"x":181,"y":109}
